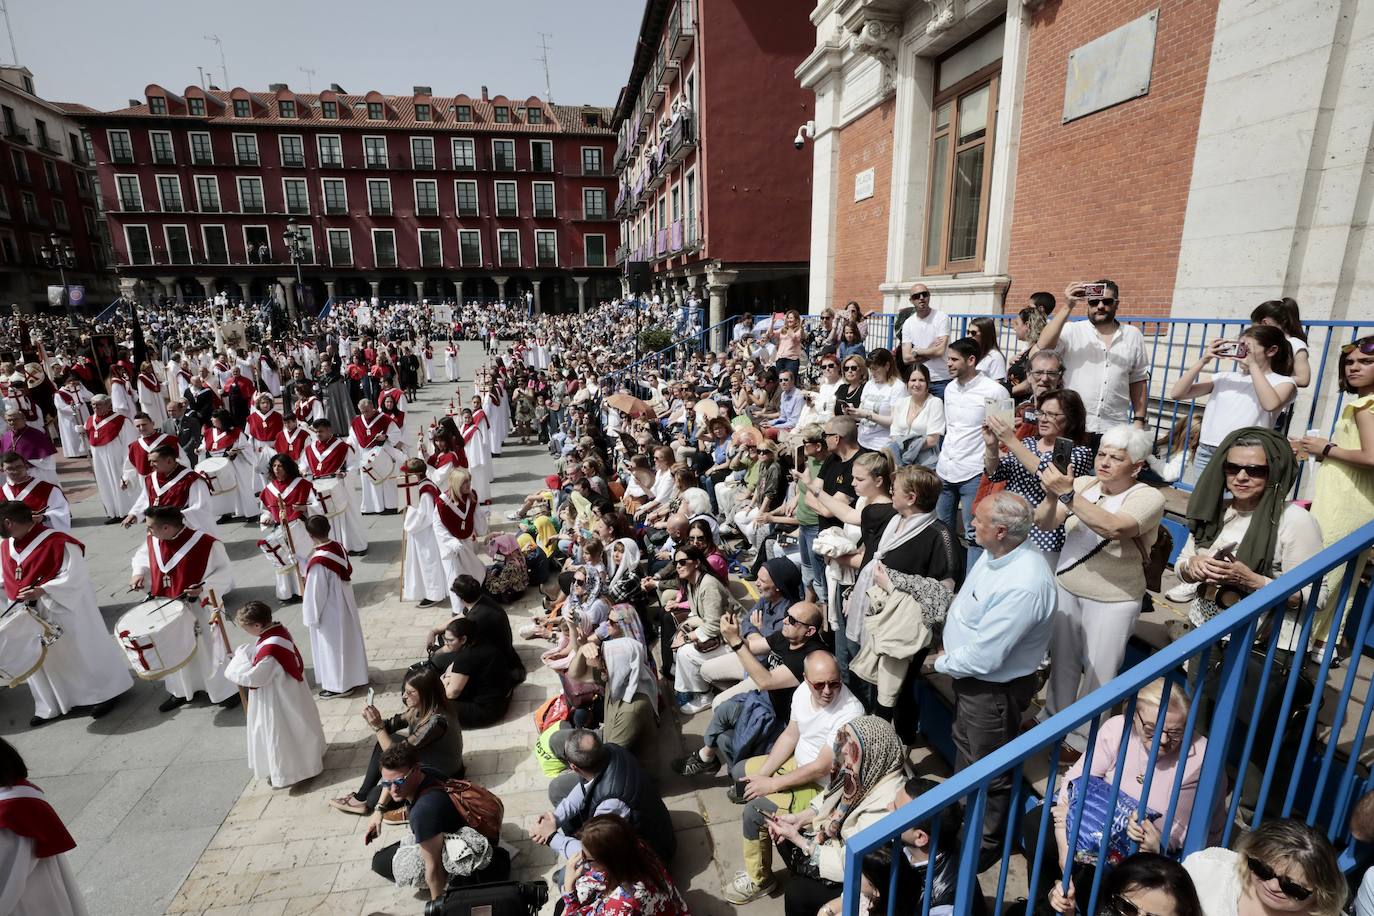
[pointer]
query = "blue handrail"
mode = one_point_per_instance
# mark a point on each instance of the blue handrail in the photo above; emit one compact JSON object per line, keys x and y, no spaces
{"x":1225,"y":698}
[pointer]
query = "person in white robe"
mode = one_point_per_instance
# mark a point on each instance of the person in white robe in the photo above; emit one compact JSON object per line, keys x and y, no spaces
{"x":479,"y":455}
{"x":325,"y":461}
{"x":427,"y":360}
{"x":108,"y":434}
{"x":121,"y":397}
{"x":222,"y":439}
{"x":286,"y":742}
{"x":459,"y":520}
{"x":46,"y":569}
{"x":331,"y":612}
{"x":73,"y":403}
{"x":372,"y":431}
{"x":152,"y":400}
{"x":422,"y":572}
{"x":37,"y":879}
{"x":46,"y":500}
{"x":267,"y":372}
{"x":451,"y":361}
{"x":197,"y":508}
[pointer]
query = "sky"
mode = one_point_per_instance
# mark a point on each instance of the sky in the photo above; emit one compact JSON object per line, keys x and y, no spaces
{"x":104,"y":52}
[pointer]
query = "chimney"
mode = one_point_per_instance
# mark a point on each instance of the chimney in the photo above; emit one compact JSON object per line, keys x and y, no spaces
{"x":422,"y":90}
{"x":276,"y":87}
{"x":484,"y":94}
{"x":134,"y":103}
{"x":337,"y":88}
{"x":214,"y":88}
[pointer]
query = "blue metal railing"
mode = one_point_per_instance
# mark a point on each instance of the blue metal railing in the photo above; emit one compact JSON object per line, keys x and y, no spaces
{"x":1284,"y":737}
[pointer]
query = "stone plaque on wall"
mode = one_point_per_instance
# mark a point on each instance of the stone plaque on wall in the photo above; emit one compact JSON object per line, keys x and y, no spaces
{"x":1111,"y":69}
{"x":863,"y":185}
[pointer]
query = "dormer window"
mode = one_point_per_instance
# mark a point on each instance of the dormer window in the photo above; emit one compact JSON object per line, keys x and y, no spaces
{"x":534,"y":115}
{"x":422,"y":112}
{"x":286,"y":108}
{"x":196,"y":106}
{"x":330,"y":110}
{"x":157,"y":104}
{"x":591,"y":120}
{"x":374,"y":111}
{"x":502,"y":115}
{"x":464,"y":112}
{"x":243,"y":108}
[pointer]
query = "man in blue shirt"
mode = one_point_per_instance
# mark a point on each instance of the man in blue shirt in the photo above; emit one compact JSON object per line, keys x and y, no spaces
{"x":790,"y":403}
{"x":996,"y":634}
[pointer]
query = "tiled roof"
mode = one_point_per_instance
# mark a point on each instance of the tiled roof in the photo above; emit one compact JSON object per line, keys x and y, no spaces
{"x":400,"y":112}
{"x":76,"y":108}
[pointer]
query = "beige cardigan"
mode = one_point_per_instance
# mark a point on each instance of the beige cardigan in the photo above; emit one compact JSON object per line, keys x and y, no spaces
{"x":1116,"y":572}
{"x":871,"y":809}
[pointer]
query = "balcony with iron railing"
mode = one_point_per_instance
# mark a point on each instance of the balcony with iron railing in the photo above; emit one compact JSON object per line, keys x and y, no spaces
{"x":682,"y":30}
{"x":49,"y":145}
{"x":621,"y":253}
{"x":16,"y":134}
{"x":691,"y":238}
{"x":682,"y":137}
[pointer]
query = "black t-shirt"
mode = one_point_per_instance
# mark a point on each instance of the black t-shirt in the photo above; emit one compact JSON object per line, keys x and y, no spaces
{"x":837,"y":476}
{"x":780,"y":652}
{"x":934,"y":553}
{"x":487,"y":671}
{"x":493,"y":626}
{"x":873,"y":519}
{"x":432,"y":811}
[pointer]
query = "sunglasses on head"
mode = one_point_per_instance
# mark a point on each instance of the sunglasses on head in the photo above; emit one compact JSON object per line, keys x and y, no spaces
{"x":1290,"y":888}
{"x":1120,"y":906}
{"x":1365,"y":345}
{"x":1252,"y":470}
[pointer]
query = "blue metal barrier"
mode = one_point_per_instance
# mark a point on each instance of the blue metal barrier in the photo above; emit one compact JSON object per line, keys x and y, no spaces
{"x":1284,"y":737}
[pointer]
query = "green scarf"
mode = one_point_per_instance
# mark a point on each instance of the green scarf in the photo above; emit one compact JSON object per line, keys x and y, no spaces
{"x":1207,"y":505}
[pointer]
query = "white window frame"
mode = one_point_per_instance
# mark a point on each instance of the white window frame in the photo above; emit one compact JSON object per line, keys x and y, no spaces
{"x":167,"y":241}
{"x":480,"y":259}
{"x":161,"y":202}
{"x":110,"y":145}
{"x":605,"y":211}
{"x":247,"y":255}
{"x":476,"y":199}
{"x":537,"y":234}
{"x":152,"y":148}
{"x":534,"y":199}
{"x":119,"y":194}
{"x":324,"y":197}
{"x":548,"y":143}
{"x":286,"y":200}
{"x":390,"y":199}
{"x":348,"y":234}
{"x":257,"y":150}
{"x":415,"y":189}
{"x":582,"y":160}
{"x":205,"y":245}
{"x":200,"y":202}
{"x":209,"y":145}
{"x":514,"y":164}
{"x":128,"y":247}
{"x":472,"y":148}
{"x":281,"y":151}
{"x":319,"y":151}
{"x":496,"y":198}
{"x":420,"y":250}
{"x":519,"y":255}
{"x":433,"y":154}
{"x":262,"y":192}
{"x":309,"y":241}
{"x":375,"y":264}
{"x":60,"y":218}
{"x":605,"y":253}
{"x":386,"y":152}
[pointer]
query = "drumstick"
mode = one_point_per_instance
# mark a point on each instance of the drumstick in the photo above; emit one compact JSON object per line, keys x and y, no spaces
{"x":224,"y":635}
{"x":291,"y":545}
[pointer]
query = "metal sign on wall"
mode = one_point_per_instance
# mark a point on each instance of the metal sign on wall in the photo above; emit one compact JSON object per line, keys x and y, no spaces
{"x":1111,"y":69}
{"x":863,"y":185}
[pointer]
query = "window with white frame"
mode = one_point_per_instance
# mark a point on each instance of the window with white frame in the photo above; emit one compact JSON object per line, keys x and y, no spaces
{"x":250,"y":196}
{"x":374,"y":152}
{"x":121,"y":147}
{"x":591,"y":160}
{"x":297,"y":195}
{"x":178,"y":244}
{"x":543,"y":199}
{"x":466,"y":193}
{"x":541,"y":155}
{"x":59,"y":215}
{"x":507,"y":201}
{"x":431,"y":248}
{"x":464,"y":153}
{"x":426,"y":197}
{"x":292,"y":150}
{"x":169,"y":193}
{"x":594,"y":250}
{"x":139,"y":245}
{"x":130,"y":194}
{"x":508,"y":247}
{"x":422,"y":152}
{"x":195,"y":107}
{"x":307,"y":236}
{"x":340,"y":247}
{"x":503,"y":155}
{"x":246,"y":149}
{"x":202,"y":153}
{"x":469,"y":248}
{"x":207,"y":194}
{"x":330,"y":147}
{"x":335,"y":196}
{"x":384,"y":247}
{"x":161,"y":143}
{"x":594,"y":203}
{"x":545,"y":248}
{"x":379,"y":196}
{"x":216,"y":244}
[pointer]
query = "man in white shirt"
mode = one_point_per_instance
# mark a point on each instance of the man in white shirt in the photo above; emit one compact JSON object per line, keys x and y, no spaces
{"x":961,"y":453}
{"x":925,"y":334}
{"x":1104,"y":360}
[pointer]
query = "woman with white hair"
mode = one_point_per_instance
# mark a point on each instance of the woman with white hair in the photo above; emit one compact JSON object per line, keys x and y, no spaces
{"x":1110,"y":524}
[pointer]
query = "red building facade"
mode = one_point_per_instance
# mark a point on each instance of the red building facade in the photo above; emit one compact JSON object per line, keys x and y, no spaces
{"x":712,"y":195}
{"x":418,"y":196}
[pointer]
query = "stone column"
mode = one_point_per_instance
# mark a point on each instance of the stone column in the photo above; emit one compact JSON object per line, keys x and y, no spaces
{"x":582,"y":293}
{"x":168,"y":287}
{"x":501,"y":287}
{"x":288,"y":285}
{"x":208,"y":283}
{"x":329,"y":288}
{"x":718,"y":286}
{"x":376,"y":288}
{"x":245,"y":287}
{"x":419,"y":289}
{"x":536,"y":283}
{"x":458,"y":289}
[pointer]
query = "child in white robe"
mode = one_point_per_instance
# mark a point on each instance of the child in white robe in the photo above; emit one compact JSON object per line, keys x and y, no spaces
{"x":422,"y":572}
{"x":286,"y":742}
{"x":331,"y":612}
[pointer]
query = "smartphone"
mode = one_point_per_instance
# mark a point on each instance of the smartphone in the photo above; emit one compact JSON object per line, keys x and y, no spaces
{"x":371,"y":695}
{"x":1002,"y":408}
{"x":1226,"y":552}
{"x":1094,"y":290}
{"x":1063,"y":454}
{"x":370,"y":836}
{"x":741,"y":786}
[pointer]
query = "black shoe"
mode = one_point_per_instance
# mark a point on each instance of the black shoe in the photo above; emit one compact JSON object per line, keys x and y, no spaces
{"x":357,"y":553}
{"x":294,"y":599}
{"x":225,"y":519}
{"x":231,"y":703}
{"x":388,"y":511}
{"x":99,"y":710}
{"x":328,"y":694}
{"x":734,"y":795}
{"x":171,"y":703}
{"x":37,"y":721}
{"x":428,"y":603}
{"x":112,"y":521}
{"x":693,"y":765}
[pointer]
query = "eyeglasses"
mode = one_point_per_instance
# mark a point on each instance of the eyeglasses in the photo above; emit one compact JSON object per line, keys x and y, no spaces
{"x":830,"y":365}
{"x":1148,"y":730}
{"x":825,"y":686}
{"x":851,"y":368}
{"x":1041,"y":373}
{"x":681,"y":561}
{"x":401,"y":781}
{"x":1105,"y":301}
{"x":1118,"y":905}
{"x":1258,"y":471}
{"x":1052,"y":415}
{"x":1290,"y":888}
{"x":828,"y":435}
{"x":788,"y":618}
{"x":1364,"y":345}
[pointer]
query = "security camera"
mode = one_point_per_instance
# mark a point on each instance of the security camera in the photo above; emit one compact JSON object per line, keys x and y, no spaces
{"x":806,"y":130}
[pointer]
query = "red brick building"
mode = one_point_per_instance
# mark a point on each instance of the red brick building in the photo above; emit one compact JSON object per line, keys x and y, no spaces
{"x":1205,"y":156}
{"x":411,"y":196}
{"x":713,"y":197}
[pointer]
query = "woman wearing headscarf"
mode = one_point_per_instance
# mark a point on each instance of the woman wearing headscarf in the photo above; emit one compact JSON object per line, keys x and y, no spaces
{"x":508,"y":577}
{"x":864,"y":779}
{"x":584,"y":610}
{"x":616,"y":658}
{"x":623,"y":585}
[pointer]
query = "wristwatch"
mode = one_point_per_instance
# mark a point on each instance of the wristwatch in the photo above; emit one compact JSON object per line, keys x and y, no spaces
{"x":737,"y":646}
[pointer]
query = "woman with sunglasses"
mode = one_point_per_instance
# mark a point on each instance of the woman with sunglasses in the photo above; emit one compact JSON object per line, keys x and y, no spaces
{"x":698,"y":636}
{"x":1244,"y":531}
{"x":1282,"y":866}
{"x":1026,"y":325}
{"x":1344,"y":496}
{"x":853,"y":376}
{"x":1145,"y":884}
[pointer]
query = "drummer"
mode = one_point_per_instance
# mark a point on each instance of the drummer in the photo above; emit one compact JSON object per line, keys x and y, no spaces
{"x":109,"y":435}
{"x":224,"y":439}
{"x":138,"y":462}
{"x":370,"y":430}
{"x":292,"y":439}
{"x":326,"y":458}
{"x":286,"y":500}
{"x":172,"y":484}
{"x":177,"y":562}
{"x":44,"y":499}
{"x":46,"y":570}
{"x":264,"y":423}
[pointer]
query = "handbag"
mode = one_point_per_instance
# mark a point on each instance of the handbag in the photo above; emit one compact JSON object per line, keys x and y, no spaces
{"x":1100,"y":816}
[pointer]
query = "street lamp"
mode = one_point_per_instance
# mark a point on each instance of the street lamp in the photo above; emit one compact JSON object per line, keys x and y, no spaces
{"x":59,"y":256}
{"x":295,"y":237}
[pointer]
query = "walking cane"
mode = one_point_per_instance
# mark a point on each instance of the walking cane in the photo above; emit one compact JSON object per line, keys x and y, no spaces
{"x":224,"y":636}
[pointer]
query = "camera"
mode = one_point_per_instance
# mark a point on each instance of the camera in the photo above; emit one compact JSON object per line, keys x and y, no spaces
{"x":806,"y":130}
{"x":507,"y":898}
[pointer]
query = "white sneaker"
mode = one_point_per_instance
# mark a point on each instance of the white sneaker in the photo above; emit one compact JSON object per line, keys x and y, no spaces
{"x":1182,"y":593}
{"x":743,"y":889}
{"x":700,"y":704}
{"x":513,"y":515}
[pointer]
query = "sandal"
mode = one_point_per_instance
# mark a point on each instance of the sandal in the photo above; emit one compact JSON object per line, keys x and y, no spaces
{"x":349,"y":804}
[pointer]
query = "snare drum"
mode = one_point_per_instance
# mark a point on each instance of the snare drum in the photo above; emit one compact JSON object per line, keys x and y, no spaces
{"x":379,"y":465}
{"x":277,"y":549}
{"x":158,"y":636}
{"x":219,"y":474}
{"x":333,"y":494}
{"x":22,"y":646}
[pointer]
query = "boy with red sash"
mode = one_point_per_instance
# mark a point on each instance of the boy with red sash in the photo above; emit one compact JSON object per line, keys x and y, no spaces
{"x":138,"y":461}
{"x":372,"y":429}
{"x":109,"y":436}
{"x":331,"y":612}
{"x":179,"y":562}
{"x":285,"y":736}
{"x":37,"y":878}
{"x":286,"y":501}
{"x":423,"y":576}
{"x":172,"y":485}
{"x":292,"y":439}
{"x":264,"y":423}
{"x":46,"y":500}
{"x":328,"y":457}
{"x":458,"y":519}
{"x":47,"y":570}
{"x":476,"y":448}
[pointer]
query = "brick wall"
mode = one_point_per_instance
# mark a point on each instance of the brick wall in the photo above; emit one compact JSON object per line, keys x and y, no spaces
{"x":1105,"y":195}
{"x":861,"y":227}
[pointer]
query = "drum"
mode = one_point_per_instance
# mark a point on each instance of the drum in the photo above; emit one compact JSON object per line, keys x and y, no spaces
{"x":158,"y":636}
{"x":275,"y":546}
{"x":23,"y":646}
{"x":333,"y":493}
{"x":379,"y":464}
{"x":219,"y":474}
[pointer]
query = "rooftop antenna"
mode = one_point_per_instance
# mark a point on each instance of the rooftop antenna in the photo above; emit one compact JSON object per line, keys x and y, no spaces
{"x":14,"y":53}
{"x":201,"y":71}
{"x":223,"y":67}
{"x":544,"y":59}
{"x":309,"y":78}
